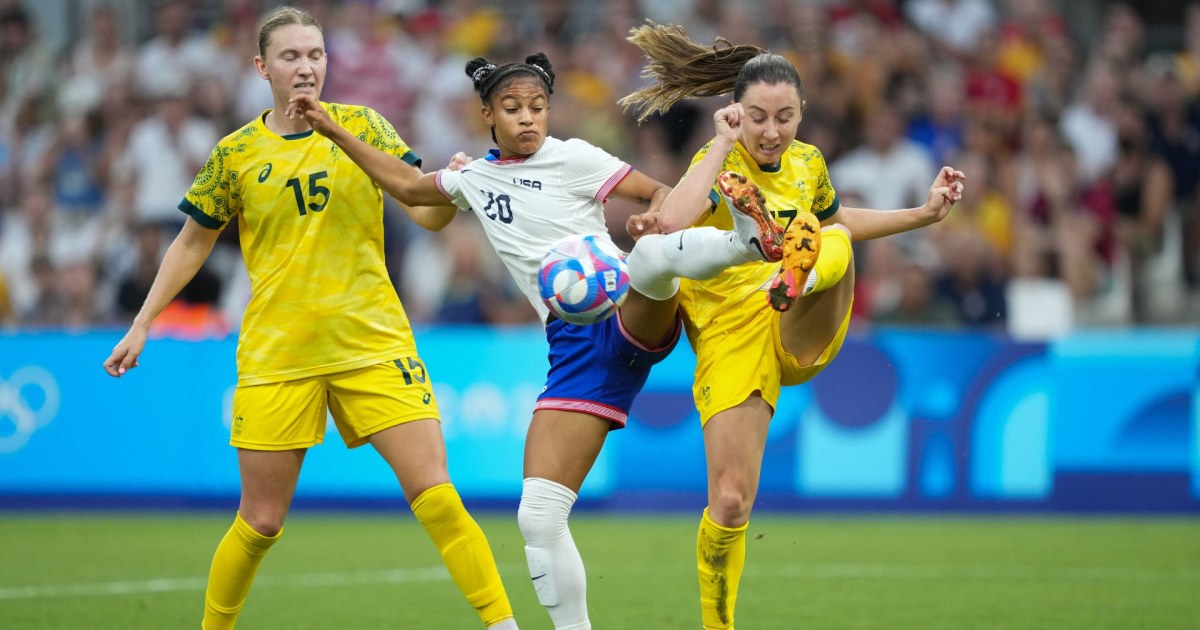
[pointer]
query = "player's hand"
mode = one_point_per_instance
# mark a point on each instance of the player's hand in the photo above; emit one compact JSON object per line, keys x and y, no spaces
{"x":125,"y":354}
{"x":458,"y":161}
{"x":947,"y":189}
{"x":640,"y":225}
{"x":728,"y":122}
{"x":308,"y":107}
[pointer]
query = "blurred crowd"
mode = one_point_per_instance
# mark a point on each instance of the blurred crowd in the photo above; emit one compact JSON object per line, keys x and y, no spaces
{"x":1081,"y":145}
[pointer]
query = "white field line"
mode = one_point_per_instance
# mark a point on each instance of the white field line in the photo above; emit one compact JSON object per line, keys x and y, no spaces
{"x":796,"y":571}
{"x":977,"y":572}
{"x":172,"y":585}
{"x":943,"y":572}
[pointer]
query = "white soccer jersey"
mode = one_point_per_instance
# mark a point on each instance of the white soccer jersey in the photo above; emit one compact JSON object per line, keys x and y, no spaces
{"x":527,"y":203}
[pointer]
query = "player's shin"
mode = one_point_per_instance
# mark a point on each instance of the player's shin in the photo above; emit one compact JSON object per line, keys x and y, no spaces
{"x":465,"y":551}
{"x":720,"y":555}
{"x":657,"y":260}
{"x":831,"y":265}
{"x":234,"y":566}
{"x":555,"y":565}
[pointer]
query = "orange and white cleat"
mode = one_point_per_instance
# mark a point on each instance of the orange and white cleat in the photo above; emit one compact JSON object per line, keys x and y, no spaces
{"x":752,"y":221}
{"x":801,"y":246}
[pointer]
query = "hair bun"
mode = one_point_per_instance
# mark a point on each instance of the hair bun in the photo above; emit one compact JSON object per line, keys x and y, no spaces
{"x":479,"y":69}
{"x":542,"y":63}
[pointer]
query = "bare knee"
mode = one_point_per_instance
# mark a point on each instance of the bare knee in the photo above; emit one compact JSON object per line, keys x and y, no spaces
{"x":730,"y":506}
{"x":266,"y":522}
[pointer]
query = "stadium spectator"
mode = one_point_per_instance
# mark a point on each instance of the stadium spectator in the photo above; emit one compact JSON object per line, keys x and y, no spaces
{"x":939,"y":126}
{"x":910,"y":298}
{"x":102,"y":58}
{"x":1089,"y":122}
{"x":887,"y":170}
{"x":1187,"y":60}
{"x":970,"y":280}
{"x":165,"y":149}
{"x":374,"y":63}
{"x":27,"y":64}
{"x":1174,"y":135}
{"x":971,"y":19}
{"x":74,"y":163}
{"x":1061,"y":222}
{"x":1143,"y":191}
{"x":29,"y":245}
{"x":177,"y":45}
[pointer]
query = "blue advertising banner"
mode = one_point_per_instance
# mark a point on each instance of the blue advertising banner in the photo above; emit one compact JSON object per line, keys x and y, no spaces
{"x":901,"y":420}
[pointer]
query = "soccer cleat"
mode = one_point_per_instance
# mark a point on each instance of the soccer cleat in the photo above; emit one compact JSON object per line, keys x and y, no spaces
{"x":752,"y":221}
{"x":801,"y":246}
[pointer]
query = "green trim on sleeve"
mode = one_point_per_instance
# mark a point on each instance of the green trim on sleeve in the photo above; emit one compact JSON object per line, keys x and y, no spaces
{"x":715,"y":199}
{"x":830,"y":211}
{"x":191,"y":210}
{"x":412,"y":158}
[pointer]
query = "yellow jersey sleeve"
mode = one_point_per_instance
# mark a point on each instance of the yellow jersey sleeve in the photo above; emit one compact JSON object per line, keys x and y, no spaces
{"x":374,"y":130}
{"x":825,"y":202}
{"x":213,"y":198}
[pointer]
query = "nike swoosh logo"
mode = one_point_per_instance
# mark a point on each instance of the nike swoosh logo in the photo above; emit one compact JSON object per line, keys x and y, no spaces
{"x":754,"y":242}
{"x":538,"y":577}
{"x":681,"y":240}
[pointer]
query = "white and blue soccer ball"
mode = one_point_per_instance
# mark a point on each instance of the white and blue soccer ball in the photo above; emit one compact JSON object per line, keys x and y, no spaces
{"x":583,"y":279}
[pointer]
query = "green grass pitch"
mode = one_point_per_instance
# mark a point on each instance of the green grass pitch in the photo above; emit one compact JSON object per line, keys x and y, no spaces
{"x":354,"y":571}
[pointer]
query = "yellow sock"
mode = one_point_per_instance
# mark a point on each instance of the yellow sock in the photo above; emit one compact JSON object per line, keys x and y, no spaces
{"x":233,"y":568}
{"x":833,"y":261}
{"x":465,"y":551}
{"x":720,"y":554}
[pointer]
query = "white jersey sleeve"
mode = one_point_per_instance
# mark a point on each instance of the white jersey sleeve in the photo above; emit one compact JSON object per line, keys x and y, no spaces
{"x":590,"y":170}
{"x":450,"y":183}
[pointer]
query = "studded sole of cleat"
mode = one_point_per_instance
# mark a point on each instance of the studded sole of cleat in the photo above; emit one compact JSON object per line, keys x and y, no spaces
{"x":749,"y":200}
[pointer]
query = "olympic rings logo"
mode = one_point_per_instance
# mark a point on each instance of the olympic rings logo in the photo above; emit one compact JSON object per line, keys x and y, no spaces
{"x":20,"y":405}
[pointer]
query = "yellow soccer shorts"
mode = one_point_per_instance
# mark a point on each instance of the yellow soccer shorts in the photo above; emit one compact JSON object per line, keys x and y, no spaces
{"x":740,"y":351}
{"x":291,"y":414}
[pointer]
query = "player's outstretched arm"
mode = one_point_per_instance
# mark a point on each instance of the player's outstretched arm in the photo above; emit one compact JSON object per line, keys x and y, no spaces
{"x":689,"y":199}
{"x":434,"y":218}
{"x":183,"y":259}
{"x":647,"y":191}
{"x":866,"y":224}
{"x":394,"y":176}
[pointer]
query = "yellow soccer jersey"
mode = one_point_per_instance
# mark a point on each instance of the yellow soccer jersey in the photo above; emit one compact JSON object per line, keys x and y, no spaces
{"x":800,"y":183}
{"x":311,"y":228}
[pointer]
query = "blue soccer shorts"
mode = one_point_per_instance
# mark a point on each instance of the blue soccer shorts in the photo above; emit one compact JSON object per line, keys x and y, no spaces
{"x":598,"y":369}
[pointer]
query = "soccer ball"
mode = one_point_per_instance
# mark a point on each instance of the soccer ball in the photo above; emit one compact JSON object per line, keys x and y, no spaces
{"x":583,"y":279}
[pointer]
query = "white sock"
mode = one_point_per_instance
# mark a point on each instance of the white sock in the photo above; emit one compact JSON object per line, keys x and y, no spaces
{"x":810,"y":283}
{"x":507,"y":624}
{"x":554,"y":562}
{"x":659,"y":260}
